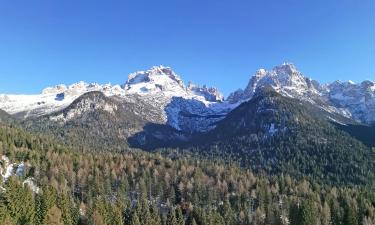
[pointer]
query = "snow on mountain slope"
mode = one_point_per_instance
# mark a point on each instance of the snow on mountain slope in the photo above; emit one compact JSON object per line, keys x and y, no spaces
{"x":358,"y":99}
{"x":355,"y":101}
{"x":209,"y":93}
{"x":155,"y":80}
{"x":159,"y":88}
{"x":164,"y":98}
{"x":180,"y":106}
{"x":51,"y":99}
{"x":285,"y":79}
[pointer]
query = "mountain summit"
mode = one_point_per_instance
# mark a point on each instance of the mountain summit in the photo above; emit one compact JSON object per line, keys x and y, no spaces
{"x":192,"y":108}
{"x":355,"y":101}
{"x":158,"y":78}
{"x":285,"y":79}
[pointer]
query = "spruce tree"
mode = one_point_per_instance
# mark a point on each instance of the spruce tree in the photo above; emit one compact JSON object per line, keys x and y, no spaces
{"x":53,"y":217}
{"x":350,"y":215}
{"x":135,"y":219}
{"x":179,"y":217}
{"x":171,"y":218}
{"x":308,"y":213}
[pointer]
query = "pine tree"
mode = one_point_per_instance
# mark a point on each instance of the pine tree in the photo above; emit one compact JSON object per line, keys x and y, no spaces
{"x":227,"y":212}
{"x":135,"y":219}
{"x":308,"y":214}
{"x":350,"y":215}
{"x":336,"y":215}
{"x":179,"y":217}
{"x":294,"y":214}
{"x":44,"y":202}
{"x":117,"y":214}
{"x":155,"y":217}
{"x":326,"y":214}
{"x":67,"y":209}
{"x":97,"y":219}
{"x":171,"y":218}
{"x":54,"y":216}
{"x":17,"y":203}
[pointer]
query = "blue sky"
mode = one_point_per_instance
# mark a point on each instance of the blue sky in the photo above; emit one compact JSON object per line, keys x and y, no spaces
{"x":219,"y":42}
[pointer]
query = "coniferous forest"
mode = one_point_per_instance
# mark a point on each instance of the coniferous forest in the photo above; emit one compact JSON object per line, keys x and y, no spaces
{"x":187,"y":112}
{"x":136,"y":187}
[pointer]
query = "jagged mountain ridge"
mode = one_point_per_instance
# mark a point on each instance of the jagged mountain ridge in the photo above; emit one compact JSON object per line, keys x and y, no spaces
{"x":158,"y":87}
{"x":194,"y":108}
{"x":356,"y":101}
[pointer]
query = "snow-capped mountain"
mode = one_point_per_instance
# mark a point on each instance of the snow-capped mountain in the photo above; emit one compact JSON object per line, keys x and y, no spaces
{"x":285,"y":79}
{"x":209,"y":93}
{"x":51,"y":99}
{"x":163,"y":98}
{"x":159,"y":88}
{"x":190,"y":108}
{"x":160,"y":79}
{"x":355,"y":101}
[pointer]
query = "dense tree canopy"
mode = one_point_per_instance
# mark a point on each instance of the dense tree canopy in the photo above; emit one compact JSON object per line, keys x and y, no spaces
{"x":149,"y":189}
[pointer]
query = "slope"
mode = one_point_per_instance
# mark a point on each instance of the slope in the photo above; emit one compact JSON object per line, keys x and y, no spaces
{"x":5,"y":117}
{"x":277,"y":134}
{"x":97,"y":122}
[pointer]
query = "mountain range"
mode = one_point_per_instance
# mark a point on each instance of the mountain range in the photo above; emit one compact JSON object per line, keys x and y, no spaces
{"x":282,"y":121}
{"x":155,"y":105}
{"x":162,"y":88}
{"x":159,"y":96}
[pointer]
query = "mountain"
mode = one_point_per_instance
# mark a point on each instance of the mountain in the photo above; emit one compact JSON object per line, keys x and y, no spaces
{"x":154,"y":108}
{"x":51,"y":99}
{"x":355,"y":101}
{"x":95,"y":121}
{"x":192,"y":108}
{"x":279,"y":134}
{"x":285,"y":79}
{"x":186,"y":108}
{"x":5,"y":117}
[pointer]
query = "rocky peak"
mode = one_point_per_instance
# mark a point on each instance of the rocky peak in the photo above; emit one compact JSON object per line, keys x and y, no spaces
{"x":209,"y":93}
{"x":285,"y":79}
{"x":287,"y":75}
{"x":367,"y":84}
{"x":55,"y":90}
{"x":155,"y":73}
{"x":260,"y":73}
{"x":286,"y":68}
{"x":156,"y":79}
{"x":349,"y":87}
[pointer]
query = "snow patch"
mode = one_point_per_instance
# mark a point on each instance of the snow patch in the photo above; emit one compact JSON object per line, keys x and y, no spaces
{"x":272,"y":130}
{"x":31,"y":184}
{"x":336,"y":121}
{"x":7,"y":170}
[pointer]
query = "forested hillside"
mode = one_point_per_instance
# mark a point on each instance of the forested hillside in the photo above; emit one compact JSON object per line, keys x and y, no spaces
{"x":278,"y":135}
{"x":146,"y":188}
{"x":5,"y":117}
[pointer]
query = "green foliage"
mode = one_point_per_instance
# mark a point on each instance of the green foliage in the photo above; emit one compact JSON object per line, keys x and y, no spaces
{"x":16,"y":203}
{"x":139,"y":188}
{"x":305,"y":144}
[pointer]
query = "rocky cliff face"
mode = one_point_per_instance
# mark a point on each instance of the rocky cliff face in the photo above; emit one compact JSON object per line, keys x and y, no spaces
{"x":163,"y":97}
{"x":355,"y":101}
